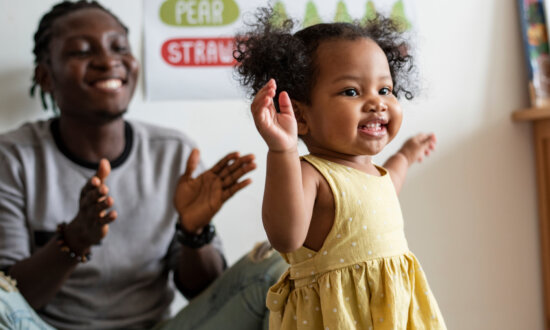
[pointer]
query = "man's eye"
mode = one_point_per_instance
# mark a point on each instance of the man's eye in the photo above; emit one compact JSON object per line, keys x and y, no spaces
{"x":384,"y":91}
{"x":79,"y":52}
{"x":350,"y":92}
{"x":121,"y":49}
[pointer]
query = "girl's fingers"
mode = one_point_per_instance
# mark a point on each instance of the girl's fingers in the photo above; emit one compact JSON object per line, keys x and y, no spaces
{"x":265,"y":103}
{"x":432,"y":137}
{"x":264,"y":96}
{"x":257,"y":100}
{"x":285,"y":106}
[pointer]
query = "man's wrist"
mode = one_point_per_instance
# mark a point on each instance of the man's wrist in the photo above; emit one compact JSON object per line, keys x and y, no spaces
{"x":75,"y":251}
{"x":74,"y":239}
{"x":194,"y":240}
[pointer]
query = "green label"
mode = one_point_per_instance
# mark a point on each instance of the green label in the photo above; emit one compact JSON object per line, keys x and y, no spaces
{"x":342,"y":14}
{"x":280,"y":15}
{"x":370,"y":12}
{"x":200,"y":13}
{"x":311,"y":16}
{"x":398,"y":15}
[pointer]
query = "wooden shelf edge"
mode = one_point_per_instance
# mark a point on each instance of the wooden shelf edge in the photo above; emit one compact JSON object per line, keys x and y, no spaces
{"x":531,"y":114}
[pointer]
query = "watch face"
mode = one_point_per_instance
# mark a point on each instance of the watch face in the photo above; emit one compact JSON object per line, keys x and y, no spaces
{"x":195,"y":241}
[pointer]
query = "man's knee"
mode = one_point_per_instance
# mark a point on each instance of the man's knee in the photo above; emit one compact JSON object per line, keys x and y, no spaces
{"x":266,"y":267}
{"x":266,"y":262}
{"x":15,"y":312}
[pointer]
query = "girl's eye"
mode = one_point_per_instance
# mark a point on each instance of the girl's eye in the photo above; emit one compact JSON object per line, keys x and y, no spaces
{"x":385,"y":91}
{"x":350,"y":92}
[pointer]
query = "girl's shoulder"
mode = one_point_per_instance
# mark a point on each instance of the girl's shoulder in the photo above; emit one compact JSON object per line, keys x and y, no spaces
{"x":310,"y":173}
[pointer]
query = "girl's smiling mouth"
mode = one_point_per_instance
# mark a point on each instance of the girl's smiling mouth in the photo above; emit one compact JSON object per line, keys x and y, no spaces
{"x":375,"y":128}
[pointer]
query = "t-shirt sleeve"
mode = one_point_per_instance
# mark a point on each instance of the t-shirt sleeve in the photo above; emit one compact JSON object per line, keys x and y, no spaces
{"x":14,"y":236}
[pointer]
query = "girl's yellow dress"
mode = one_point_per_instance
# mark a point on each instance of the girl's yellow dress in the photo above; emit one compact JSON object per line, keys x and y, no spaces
{"x":364,"y":276}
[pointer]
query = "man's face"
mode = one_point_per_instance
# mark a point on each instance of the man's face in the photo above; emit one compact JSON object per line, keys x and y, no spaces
{"x":92,"y":72}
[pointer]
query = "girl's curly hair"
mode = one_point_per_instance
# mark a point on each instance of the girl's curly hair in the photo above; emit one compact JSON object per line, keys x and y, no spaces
{"x":268,"y":50}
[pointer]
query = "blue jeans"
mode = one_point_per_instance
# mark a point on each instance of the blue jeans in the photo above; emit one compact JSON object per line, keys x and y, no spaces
{"x":15,"y":313}
{"x":236,"y":301}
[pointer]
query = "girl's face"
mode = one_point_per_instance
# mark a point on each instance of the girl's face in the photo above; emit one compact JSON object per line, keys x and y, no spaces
{"x":90,"y":69}
{"x":353,"y":111}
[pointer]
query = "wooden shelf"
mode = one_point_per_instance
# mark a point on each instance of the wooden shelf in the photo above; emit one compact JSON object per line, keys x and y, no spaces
{"x":531,"y":114}
{"x":540,"y":117}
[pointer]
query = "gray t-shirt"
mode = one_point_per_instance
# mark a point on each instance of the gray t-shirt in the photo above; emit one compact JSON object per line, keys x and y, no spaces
{"x":125,"y":285}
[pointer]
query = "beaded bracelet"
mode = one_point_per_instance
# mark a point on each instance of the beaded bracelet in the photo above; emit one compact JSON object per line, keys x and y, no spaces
{"x":66,"y":249}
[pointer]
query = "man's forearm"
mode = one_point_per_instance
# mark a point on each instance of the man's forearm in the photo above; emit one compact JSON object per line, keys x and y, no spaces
{"x":40,"y":276}
{"x":198,"y":268}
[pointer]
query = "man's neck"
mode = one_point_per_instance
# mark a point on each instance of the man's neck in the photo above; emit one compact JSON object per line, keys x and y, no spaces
{"x":93,"y":141}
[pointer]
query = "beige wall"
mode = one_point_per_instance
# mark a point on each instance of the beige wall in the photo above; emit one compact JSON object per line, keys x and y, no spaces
{"x":470,"y":209}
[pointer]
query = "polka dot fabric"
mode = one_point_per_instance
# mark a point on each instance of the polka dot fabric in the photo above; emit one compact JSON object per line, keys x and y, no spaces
{"x":364,"y":276}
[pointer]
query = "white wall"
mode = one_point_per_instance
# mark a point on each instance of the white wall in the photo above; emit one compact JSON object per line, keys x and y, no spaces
{"x":470,"y":209}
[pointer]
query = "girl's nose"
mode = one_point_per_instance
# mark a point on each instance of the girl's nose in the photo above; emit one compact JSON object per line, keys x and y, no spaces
{"x":381,"y":106}
{"x":376,"y":104}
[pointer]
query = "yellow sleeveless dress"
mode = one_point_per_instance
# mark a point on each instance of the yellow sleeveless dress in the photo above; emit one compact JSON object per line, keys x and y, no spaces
{"x":364,"y":276}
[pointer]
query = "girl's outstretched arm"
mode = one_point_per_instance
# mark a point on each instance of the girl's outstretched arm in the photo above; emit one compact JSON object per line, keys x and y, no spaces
{"x":413,"y":150}
{"x":285,"y":215}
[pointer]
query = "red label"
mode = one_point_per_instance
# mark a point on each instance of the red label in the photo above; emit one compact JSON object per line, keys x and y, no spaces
{"x":199,"y":52}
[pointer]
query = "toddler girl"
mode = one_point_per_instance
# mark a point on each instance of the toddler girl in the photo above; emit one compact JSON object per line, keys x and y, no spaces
{"x":333,"y":214}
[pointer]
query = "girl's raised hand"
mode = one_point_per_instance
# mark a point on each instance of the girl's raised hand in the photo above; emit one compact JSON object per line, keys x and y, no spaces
{"x":417,"y":147}
{"x":279,"y":130}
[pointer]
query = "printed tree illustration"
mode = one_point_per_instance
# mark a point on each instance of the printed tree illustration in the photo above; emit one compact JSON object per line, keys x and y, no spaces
{"x":370,"y":12}
{"x":280,"y":15}
{"x":398,"y":14}
{"x":311,"y":16}
{"x":342,"y":14}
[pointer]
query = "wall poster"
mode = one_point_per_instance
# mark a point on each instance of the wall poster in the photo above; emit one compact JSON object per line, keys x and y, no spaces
{"x":189,"y":43}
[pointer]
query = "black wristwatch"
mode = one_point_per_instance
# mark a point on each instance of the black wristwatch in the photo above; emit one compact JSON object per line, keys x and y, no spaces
{"x":195,"y":241}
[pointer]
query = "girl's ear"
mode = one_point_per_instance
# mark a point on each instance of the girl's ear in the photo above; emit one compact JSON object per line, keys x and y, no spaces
{"x":299,"y":109}
{"x":42,"y":78}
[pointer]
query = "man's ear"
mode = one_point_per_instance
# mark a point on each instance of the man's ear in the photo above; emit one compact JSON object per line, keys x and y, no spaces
{"x":43,"y":78}
{"x":299,"y":113}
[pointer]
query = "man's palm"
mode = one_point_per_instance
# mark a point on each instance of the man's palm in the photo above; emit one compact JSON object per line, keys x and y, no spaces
{"x":198,"y":199}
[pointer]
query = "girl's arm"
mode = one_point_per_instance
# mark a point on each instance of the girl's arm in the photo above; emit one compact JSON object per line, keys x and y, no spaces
{"x":414,"y":149}
{"x":286,"y":211}
{"x":284,"y":214}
